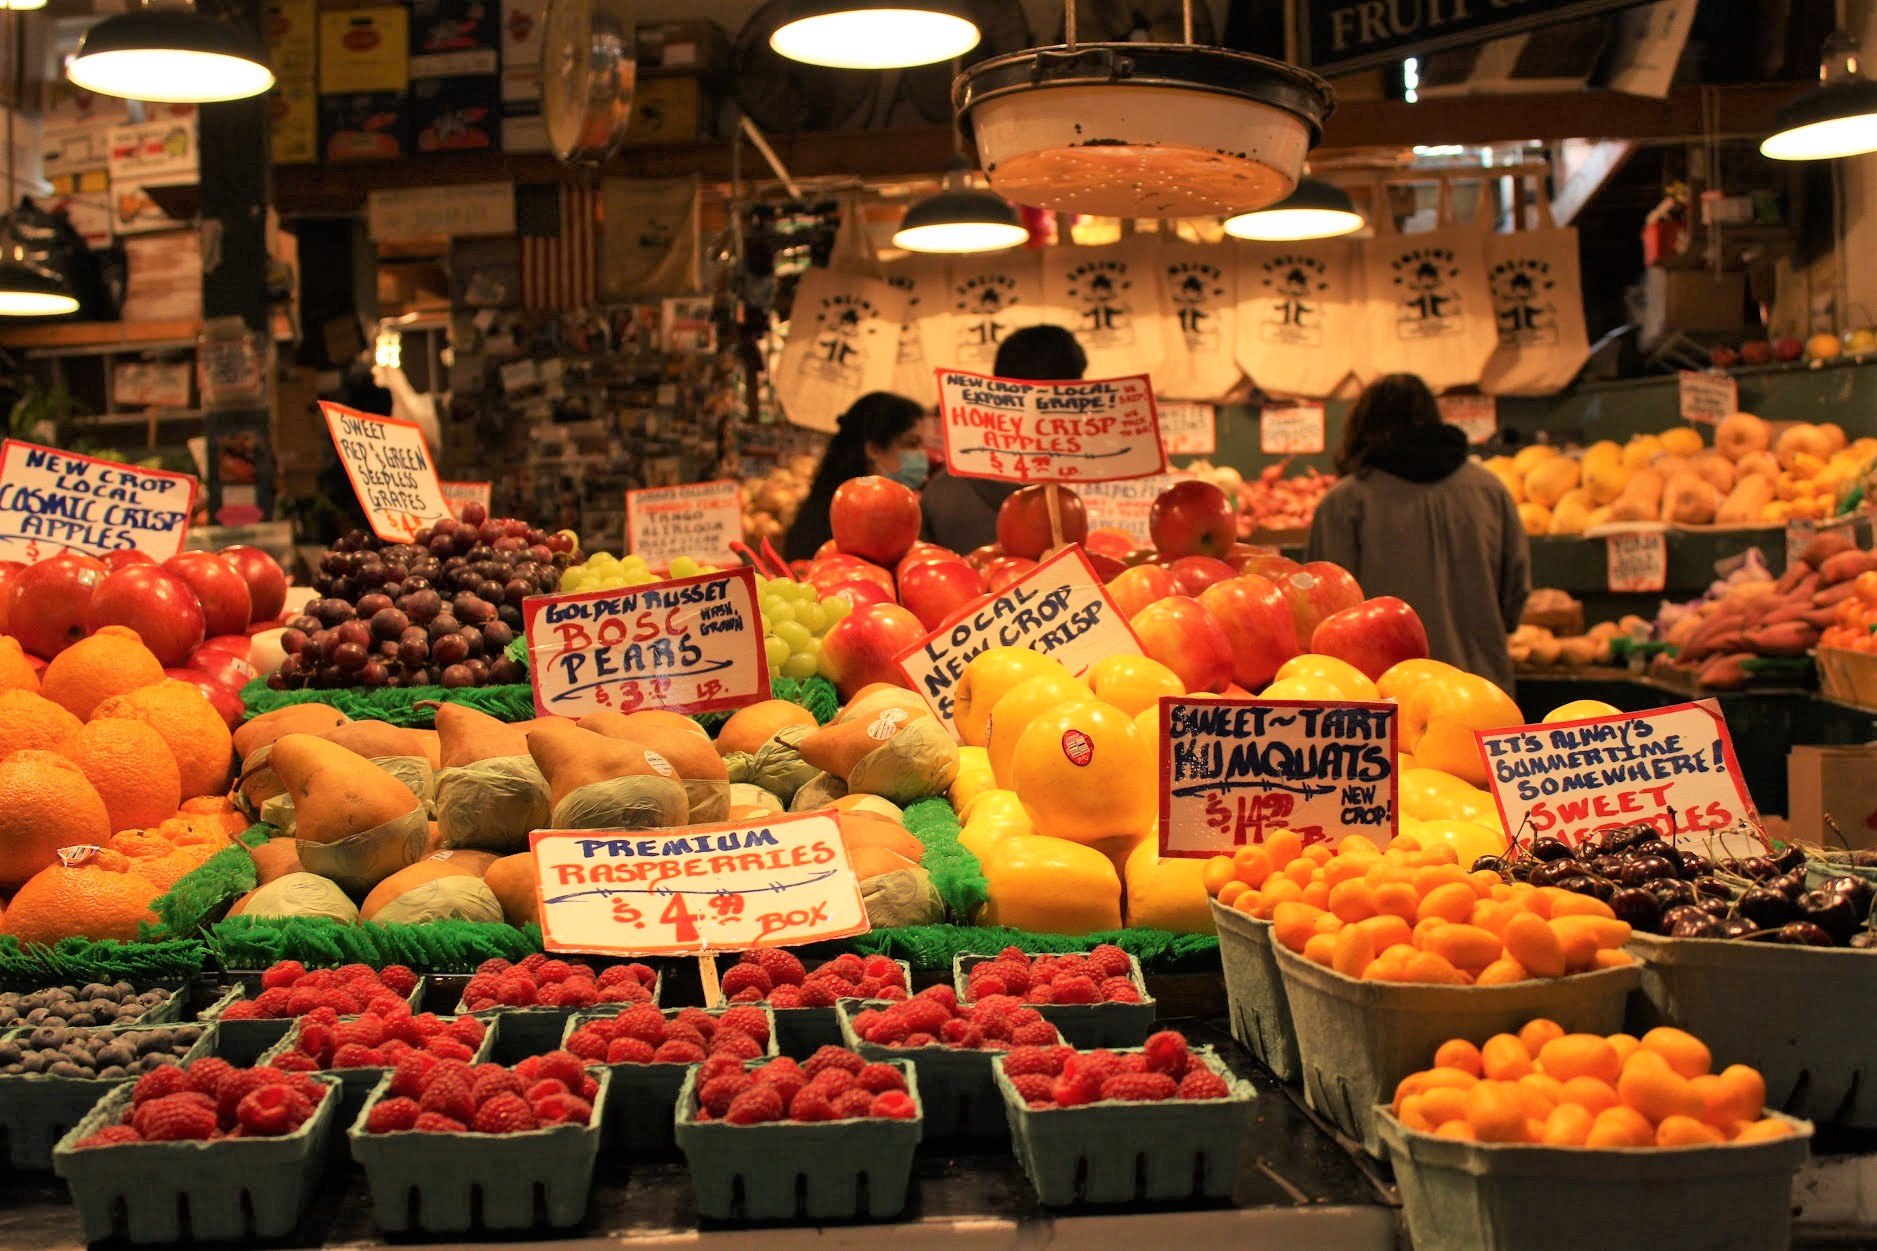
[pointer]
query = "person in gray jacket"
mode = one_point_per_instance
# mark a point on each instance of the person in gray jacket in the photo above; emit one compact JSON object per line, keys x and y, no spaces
{"x":1413,"y":517}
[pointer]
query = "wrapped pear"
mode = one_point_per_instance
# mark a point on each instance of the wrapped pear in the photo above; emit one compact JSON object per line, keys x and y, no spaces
{"x":298,"y":895}
{"x":747,"y":795}
{"x":820,"y":792}
{"x":454,"y":897}
{"x":867,"y":706}
{"x":860,"y":801}
{"x":918,"y":760}
{"x":777,"y":766}
{"x":512,"y":878}
{"x":635,"y":802}
{"x":681,"y":744}
{"x":489,"y":793}
{"x":899,"y":894}
{"x":355,"y":823}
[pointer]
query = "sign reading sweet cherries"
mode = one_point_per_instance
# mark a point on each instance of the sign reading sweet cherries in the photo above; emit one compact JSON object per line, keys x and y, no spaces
{"x":690,"y":645}
{"x":696,"y":891}
{"x":699,"y":519}
{"x":391,"y":471}
{"x":1015,"y":431}
{"x":53,"y":501}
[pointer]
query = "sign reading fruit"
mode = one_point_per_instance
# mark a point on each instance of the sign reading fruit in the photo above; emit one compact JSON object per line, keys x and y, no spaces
{"x":700,"y":519}
{"x":391,"y":471}
{"x":1016,"y":431}
{"x":458,"y":495}
{"x":1235,"y":771}
{"x":1059,"y":609}
{"x":697,"y":890}
{"x":1673,"y":768}
{"x":690,"y":645}
{"x":53,"y":501}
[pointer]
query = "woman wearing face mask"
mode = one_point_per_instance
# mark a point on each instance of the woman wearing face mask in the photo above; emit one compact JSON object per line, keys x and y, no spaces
{"x":878,"y":435}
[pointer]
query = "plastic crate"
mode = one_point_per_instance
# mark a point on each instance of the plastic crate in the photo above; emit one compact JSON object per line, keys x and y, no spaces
{"x":793,"y":1170}
{"x":37,"y":1109}
{"x":456,"y":1183}
{"x":224,"y":1189}
{"x":1083,"y":1024}
{"x":537,"y":1031}
{"x":1805,"y":1029}
{"x":1357,"y":1040}
{"x":1472,"y":1196}
{"x":642,"y":1097}
{"x":801,"y":1031}
{"x":960,"y":1097}
{"x":356,"y":1085}
{"x":1114,"y":1152}
{"x":1259,"y":1008}
{"x":243,"y":1042}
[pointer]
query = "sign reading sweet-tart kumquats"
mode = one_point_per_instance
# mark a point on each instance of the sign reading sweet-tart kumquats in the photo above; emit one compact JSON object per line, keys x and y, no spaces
{"x":690,"y":645}
{"x":1017,"y":431}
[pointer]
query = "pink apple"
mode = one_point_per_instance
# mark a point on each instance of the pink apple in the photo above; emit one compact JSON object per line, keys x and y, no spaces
{"x":1000,"y":573}
{"x":859,"y":593}
{"x":47,"y":601}
{"x":1257,"y":620}
{"x":236,"y":645}
{"x":978,"y":557}
{"x":1374,"y":636}
{"x":1135,"y":588}
{"x":125,"y":556}
{"x":9,"y":570}
{"x":921,"y":553}
{"x":830,"y":548}
{"x":1314,"y":597}
{"x":1179,"y":633}
{"x":232,"y":671}
{"x":267,"y":581}
{"x":1110,"y":542}
{"x":226,"y":606}
{"x":223,"y":700}
{"x":861,"y":646}
{"x":154,"y":602}
{"x":1023,"y":527}
{"x":1196,"y":573}
{"x":937,"y":589}
{"x":834,"y":570}
{"x":1107,"y":568}
{"x":1261,"y":561}
{"x":874,"y":517}
{"x":1344,"y":591}
{"x":1193,"y":518}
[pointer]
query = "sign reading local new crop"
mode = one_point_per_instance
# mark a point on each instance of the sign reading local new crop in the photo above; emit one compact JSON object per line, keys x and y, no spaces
{"x":697,"y":890}
{"x":700,"y":519}
{"x":1233,"y":772}
{"x":1014,"y":431}
{"x":1338,"y":36}
{"x":53,"y":501}
{"x":1673,"y":768}
{"x":690,"y":645}
{"x":391,"y":471}
{"x":1060,"y":609}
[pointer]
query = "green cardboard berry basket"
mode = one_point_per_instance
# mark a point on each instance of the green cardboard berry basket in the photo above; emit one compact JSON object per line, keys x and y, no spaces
{"x":1477,"y":1196}
{"x":537,"y":1031}
{"x":37,"y":1109}
{"x":1117,"y":1152}
{"x":1807,"y":1033}
{"x":961,"y":1100}
{"x":793,"y":1170}
{"x":459,"y":1182}
{"x":1259,"y":1008}
{"x":1357,"y":1039}
{"x":224,"y":1189}
{"x":356,"y":1085}
{"x":1082,"y":1024}
{"x":242,"y":1042}
{"x":642,"y":1096}
{"x":800,"y":1032}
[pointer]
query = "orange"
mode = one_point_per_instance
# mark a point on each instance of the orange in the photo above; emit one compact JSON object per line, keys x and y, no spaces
{"x":1496,"y":1112}
{"x":1022,"y":704}
{"x":196,"y":734}
{"x":45,"y":804}
{"x":1320,"y":949}
{"x":1450,"y":901}
{"x":129,"y":765}
{"x":1736,"y":1093}
{"x":1685,"y":1053}
{"x":1229,"y":893}
{"x":1352,"y":900}
{"x":1686,"y":1131}
{"x":154,"y":857}
{"x":1220,"y":872}
{"x":1133,"y":683}
{"x":1620,"y":1127}
{"x":90,"y":671}
{"x":1441,"y":1104}
{"x":1458,"y":1053}
{"x":1762,"y":1131}
{"x":1658,"y":1092}
{"x":30,"y":722}
{"x":1588,"y":1092}
{"x":1252,"y":865}
{"x":1353,"y":952}
{"x":16,"y":672}
{"x":1530,"y":941}
{"x":1283,"y":847}
{"x":1538,"y":1031}
{"x":1502,"y":972}
{"x":1425,"y":966}
{"x":1567,"y":1126}
{"x":216,"y":811}
{"x":1464,"y":946}
{"x":1504,"y":1058}
{"x":1457,"y":1129}
{"x":1580,"y":1055}
{"x":1625,"y":1044}
{"x":99,"y":897}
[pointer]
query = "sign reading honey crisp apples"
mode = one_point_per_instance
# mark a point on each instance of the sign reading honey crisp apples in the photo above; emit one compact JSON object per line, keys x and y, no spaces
{"x":459,"y":495}
{"x":1233,"y":772}
{"x":53,"y":501}
{"x":1673,"y":768}
{"x":391,"y":471}
{"x":700,"y":520}
{"x":1059,"y":609}
{"x":1016,"y":431}
{"x":690,"y":645}
{"x":697,"y":890}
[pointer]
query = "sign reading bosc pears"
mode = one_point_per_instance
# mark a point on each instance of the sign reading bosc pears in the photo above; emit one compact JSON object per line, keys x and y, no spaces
{"x":53,"y":501}
{"x":699,"y":519}
{"x":1015,"y":431}
{"x":1338,"y":36}
{"x":690,"y":645}
{"x":391,"y":471}
{"x":1235,"y":771}
{"x":1673,"y":768}
{"x":698,"y":890}
{"x":1060,"y":609}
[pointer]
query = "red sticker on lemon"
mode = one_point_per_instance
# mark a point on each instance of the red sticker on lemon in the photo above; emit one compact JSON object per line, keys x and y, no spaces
{"x":1078,"y":748}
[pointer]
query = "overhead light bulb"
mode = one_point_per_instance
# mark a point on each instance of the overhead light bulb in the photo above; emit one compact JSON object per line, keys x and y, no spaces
{"x":21,"y":6}
{"x":170,"y":56}
{"x":1315,"y":210}
{"x":1836,"y":118}
{"x":873,"y":34}
{"x":961,"y":218}
{"x":26,"y":290}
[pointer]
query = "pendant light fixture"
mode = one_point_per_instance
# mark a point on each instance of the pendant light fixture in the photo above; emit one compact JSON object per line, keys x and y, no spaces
{"x":961,"y":219}
{"x":170,"y":55}
{"x":874,"y":34}
{"x":1315,"y":210}
{"x":27,"y":289}
{"x":1836,"y":118}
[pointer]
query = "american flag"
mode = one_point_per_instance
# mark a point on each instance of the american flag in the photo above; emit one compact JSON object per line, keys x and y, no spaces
{"x":559,"y":267}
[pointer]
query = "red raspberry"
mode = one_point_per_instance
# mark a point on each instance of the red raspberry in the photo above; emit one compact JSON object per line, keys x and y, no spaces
{"x":505,"y":1114}
{"x":644,"y":1023}
{"x":353,"y":1056}
{"x":989,"y":984}
{"x":1035,"y":1089}
{"x":879,"y":1078}
{"x":920,"y":1040}
{"x":751,"y":1021}
{"x":833,"y":1057}
{"x":563,"y":1109}
{"x":630,"y":1051}
{"x":1069,"y":1093}
{"x":696,"y":1019}
{"x":1026,"y":1061}
{"x":282,"y":974}
{"x":757,"y":1104}
{"x":496,"y":1082}
{"x":467,"y":1030}
{"x":494,"y":964}
{"x":1035,"y":1034}
{"x":1110,"y":960}
{"x":717,"y":1093}
{"x":297,"y":1062}
{"x":271,"y":1111}
{"x":111,"y":1136}
{"x":589,"y":1044}
{"x":888,"y":1030}
{"x":786,"y":1079}
{"x":205,"y":1075}
{"x":780,"y":998}
{"x":883,"y":967}
{"x":894,"y":994}
{"x":276,"y":1001}
{"x":437,"y":1123}
{"x":448,"y":1094}
{"x":847,"y":965}
{"x":173,"y":1118}
{"x":168,"y":1080}
{"x":854,"y":1103}
{"x":925,"y":1016}
{"x":1076,"y":988}
{"x":717,"y":1066}
{"x":412,"y":1071}
{"x":749,"y":994}
{"x":1139,"y":1087}
{"x":548,"y":995}
{"x":392,"y":1116}
{"x":554,"y":971}
{"x":735,"y":1043}
{"x":446,"y":1048}
{"x":398,"y":979}
{"x":1201,"y":1082}
{"x":1165,"y":1052}
{"x":533,"y":960}
{"x":895,"y":1105}
{"x":315,"y":1040}
{"x":678,"y":1051}
{"x":815,"y":994}
{"x":543,"y":1088}
{"x":963,"y":1034}
{"x":624,"y":992}
{"x":678,"y":1031}
{"x":782,"y":966}
{"x":832,"y":1082}
{"x":1041,"y":993}
{"x":810,"y":1104}
{"x":238,"y":1084}
{"x":740,"y":977}
{"x":566,"y":1066}
{"x":242,"y":1010}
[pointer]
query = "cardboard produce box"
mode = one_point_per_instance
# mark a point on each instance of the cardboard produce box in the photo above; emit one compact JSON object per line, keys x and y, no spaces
{"x":293,"y":125}
{"x":1835,"y":782}
{"x":692,"y":45}
{"x":456,"y":114}
{"x":364,"y":50}
{"x":367,"y":126}
{"x":163,"y":277}
{"x":450,"y":38}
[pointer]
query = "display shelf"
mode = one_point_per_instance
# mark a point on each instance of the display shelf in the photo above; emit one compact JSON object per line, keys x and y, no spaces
{"x":104,"y":338}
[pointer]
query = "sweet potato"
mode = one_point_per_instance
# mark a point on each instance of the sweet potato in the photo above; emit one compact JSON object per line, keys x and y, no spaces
{"x":1824,"y":546}
{"x":1788,"y":638}
{"x":1796,"y":572}
{"x":1845,"y":566}
{"x":1725,"y":673}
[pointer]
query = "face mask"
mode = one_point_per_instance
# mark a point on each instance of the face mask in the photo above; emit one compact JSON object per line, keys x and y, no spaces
{"x":913,"y":468}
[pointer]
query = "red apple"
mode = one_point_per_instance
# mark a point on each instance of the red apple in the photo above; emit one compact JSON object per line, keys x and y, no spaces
{"x":1756,"y":351}
{"x":922,"y":553}
{"x":232,"y":671}
{"x":1107,"y":568}
{"x":1134,"y":588}
{"x":1260,"y":560}
{"x":1787,"y":348}
{"x":830,"y":548}
{"x":1193,"y":518}
{"x":236,"y":645}
{"x":1316,"y":591}
{"x":1257,"y":620}
{"x":1023,"y":527}
{"x":1179,"y":633}
{"x":46,"y":602}
{"x":1374,"y":636}
{"x":125,"y":556}
{"x":831,"y":572}
{"x":1110,"y":542}
{"x":1000,"y":573}
{"x":978,"y":557}
{"x":155,"y":603}
{"x":1723,"y":357}
{"x":874,"y":517}
{"x":267,"y":581}
{"x":9,"y":570}
{"x":221,"y":699}
{"x":226,"y":606}
{"x":861,"y":646}
{"x":939,"y":588}
{"x":1196,"y":573}
{"x":859,"y":593}
{"x":1342,"y":588}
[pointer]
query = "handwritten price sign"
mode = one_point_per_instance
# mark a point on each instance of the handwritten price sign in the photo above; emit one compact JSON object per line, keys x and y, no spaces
{"x":699,"y":520}
{"x":458,"y":495}
{"x":1290,"y":429}
{"x":1126,"y":505}
{"x":690,"y":645}
{"x":1706,"y":397}
{"x":1016,"y":431}
{"x":1234,"y":771}
{"x":1638,"y":562}
{"x":696,"y":891}
{"x":1189,"y":429}
{"x":1477,"y":415}
{"x":53,"y":501}
{"x":391,"y":471}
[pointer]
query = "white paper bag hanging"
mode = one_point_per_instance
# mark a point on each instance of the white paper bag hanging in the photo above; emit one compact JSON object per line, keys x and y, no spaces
{"x":1110,"y":297}
{"x":1538,"y":306}
{"x":843,"y":342}
{"x":922,"y":344}
{"x":1300,"y":315}
{"x":1429,"y":307}
{"x":988,"y":297}
{"x":1199,"y":290}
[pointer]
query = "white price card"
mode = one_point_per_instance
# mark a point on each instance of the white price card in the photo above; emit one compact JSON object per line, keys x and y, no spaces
{"x":1638,"y":562}
{"x":1706,"y":398}
{"x":1477,"y":415}
{"x":391,"y":471}
{"x":461,"y":494}
{"x":1015,"y":431}
{"x":1189,"y":429}
{"x":1126,"y":505}
{"x":700,"y":520}
{"x":1291,"y":429}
